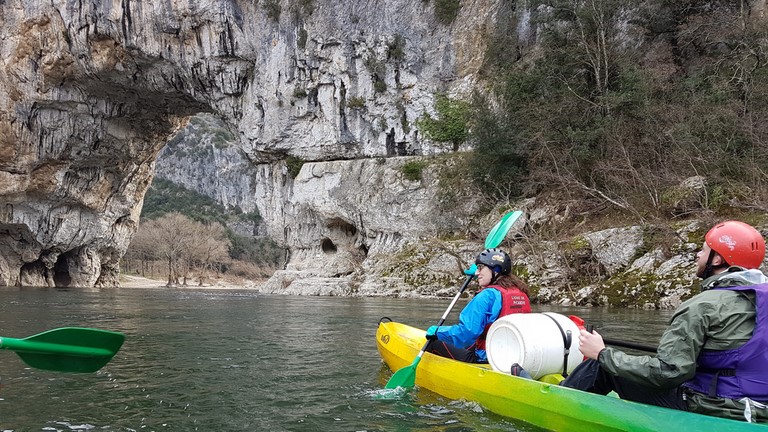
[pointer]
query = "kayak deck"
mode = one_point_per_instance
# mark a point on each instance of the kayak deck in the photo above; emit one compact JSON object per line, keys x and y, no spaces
{"x":542,"y":404}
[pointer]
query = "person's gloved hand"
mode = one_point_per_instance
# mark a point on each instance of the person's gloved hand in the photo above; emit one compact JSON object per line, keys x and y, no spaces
{"x":431,"y":333}
{"x":471,"y":271}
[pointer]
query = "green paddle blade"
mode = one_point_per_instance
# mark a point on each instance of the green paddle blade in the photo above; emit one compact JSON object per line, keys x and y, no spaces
{"x":499,"y":231}
{"x":405,"y":377}
{"x":68,"y":349}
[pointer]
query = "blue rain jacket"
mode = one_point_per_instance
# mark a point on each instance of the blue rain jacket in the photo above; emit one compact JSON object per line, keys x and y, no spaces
{"x":482,"y":310}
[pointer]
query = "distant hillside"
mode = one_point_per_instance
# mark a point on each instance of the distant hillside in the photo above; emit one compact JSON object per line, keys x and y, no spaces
{"x":165,"y":197}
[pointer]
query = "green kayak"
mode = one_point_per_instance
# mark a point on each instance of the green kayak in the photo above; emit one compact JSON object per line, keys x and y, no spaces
{"x":539,"y":403}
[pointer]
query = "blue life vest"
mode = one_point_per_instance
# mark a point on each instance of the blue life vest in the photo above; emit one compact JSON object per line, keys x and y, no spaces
{"x":739,"y":372}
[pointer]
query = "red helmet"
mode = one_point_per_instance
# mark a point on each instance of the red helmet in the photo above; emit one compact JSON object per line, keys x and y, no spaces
{"x":738,"y":243}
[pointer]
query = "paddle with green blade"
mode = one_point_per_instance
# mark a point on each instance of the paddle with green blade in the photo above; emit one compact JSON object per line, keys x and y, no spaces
{"x":406,"y":377}
{"x":67,"y":349}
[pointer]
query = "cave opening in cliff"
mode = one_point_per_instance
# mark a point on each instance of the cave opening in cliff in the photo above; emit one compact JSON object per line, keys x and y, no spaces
{"x":328,"y":246}
{"x":33,"y":274}
{"x":61,"y":276}
{"x":343,"y":226}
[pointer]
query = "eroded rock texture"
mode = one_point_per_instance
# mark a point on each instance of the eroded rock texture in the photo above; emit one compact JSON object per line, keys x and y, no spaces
{"x":91,"y":91}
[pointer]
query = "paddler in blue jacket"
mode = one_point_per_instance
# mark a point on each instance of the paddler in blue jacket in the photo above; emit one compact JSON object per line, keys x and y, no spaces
{"x":502,"y":293}
{"x":713,"y":357}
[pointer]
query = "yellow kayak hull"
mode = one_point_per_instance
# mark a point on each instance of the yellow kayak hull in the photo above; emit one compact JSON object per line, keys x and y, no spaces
{"x":539,"y":403}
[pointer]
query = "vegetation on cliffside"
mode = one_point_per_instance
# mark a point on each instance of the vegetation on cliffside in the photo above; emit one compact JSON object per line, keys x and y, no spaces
{"x":618,"y":102}
{"x":185,"y":234}
{"x":619,"y":113}
{"x":622,"y":112}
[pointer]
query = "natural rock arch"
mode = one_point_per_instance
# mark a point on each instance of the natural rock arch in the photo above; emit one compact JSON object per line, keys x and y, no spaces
{"x":92,"y":91}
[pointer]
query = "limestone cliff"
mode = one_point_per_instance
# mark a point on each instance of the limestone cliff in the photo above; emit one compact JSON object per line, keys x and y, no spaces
{"x":91,"y":92}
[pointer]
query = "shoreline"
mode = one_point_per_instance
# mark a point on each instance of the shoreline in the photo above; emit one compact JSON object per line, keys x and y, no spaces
{"x":134,"y":281}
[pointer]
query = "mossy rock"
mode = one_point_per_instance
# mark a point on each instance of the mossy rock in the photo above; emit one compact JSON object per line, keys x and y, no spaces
{"x":576,"y":244}
{"x":631,"y":290}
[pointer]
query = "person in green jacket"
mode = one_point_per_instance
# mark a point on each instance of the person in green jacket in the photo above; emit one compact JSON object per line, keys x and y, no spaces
{"x":708,"y":360}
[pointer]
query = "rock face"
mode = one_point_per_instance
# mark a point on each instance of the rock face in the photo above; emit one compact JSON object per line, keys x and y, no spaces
{"x":615,"y":247}
{"x":338,"y":218}
{"x":91,"y":92}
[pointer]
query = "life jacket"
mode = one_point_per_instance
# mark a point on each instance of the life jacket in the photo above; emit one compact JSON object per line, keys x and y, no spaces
{"x":739,"y":372}
{"x":512,"y":301}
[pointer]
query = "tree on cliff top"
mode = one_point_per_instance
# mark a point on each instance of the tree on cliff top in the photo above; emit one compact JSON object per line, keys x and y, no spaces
{"x":451,"y":124}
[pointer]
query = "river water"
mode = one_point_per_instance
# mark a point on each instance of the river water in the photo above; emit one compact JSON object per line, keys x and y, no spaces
{"x":235,"y":360}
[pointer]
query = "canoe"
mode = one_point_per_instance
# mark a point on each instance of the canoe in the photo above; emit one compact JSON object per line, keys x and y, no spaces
{"x":542,"y":404}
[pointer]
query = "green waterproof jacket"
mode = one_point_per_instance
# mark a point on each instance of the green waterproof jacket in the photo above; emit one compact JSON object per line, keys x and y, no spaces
{"x":712,"y":320}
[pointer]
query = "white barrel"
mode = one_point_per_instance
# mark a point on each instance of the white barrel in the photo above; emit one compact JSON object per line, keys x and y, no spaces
{"x":534,"y":341}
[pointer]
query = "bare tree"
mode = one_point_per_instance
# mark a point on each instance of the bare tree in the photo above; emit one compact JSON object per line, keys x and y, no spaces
{"x":143,"y":248}
{"x":211,"y":249}
{"x":173,"y":234}
{"x":185,"y":245}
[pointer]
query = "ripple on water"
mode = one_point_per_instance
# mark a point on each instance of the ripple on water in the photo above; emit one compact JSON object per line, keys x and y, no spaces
{"x":226,"y":362}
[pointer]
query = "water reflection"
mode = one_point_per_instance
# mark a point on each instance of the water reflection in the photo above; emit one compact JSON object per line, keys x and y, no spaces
{"x":239,"y":361}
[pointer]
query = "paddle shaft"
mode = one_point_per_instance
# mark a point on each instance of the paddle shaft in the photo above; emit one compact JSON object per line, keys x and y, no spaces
{"x":493,"y":239}
{"x":406,"y":377}
{"x":445,"y":314}
{"x":625,"y":344}
{"x":632,"y":345}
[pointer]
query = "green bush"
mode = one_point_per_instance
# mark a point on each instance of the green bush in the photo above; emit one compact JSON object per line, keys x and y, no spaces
{"x":447,"y":10}
{"x":412,"y":170}
{"x":376,"y":67}
{"x":499,"y":162}
{"x":253,"y":217}
{"x":272,"y":8}
{"x":299,"y":93}
{"x":604,"y":124}
{"x":451,"y":125}
{"x":294,"y":165}
{"x":356,"y":102}
{"x":396,"y":48}
{"x":165,"y":197}
{"x":379,"y":86}
{"x":255,"y":250}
